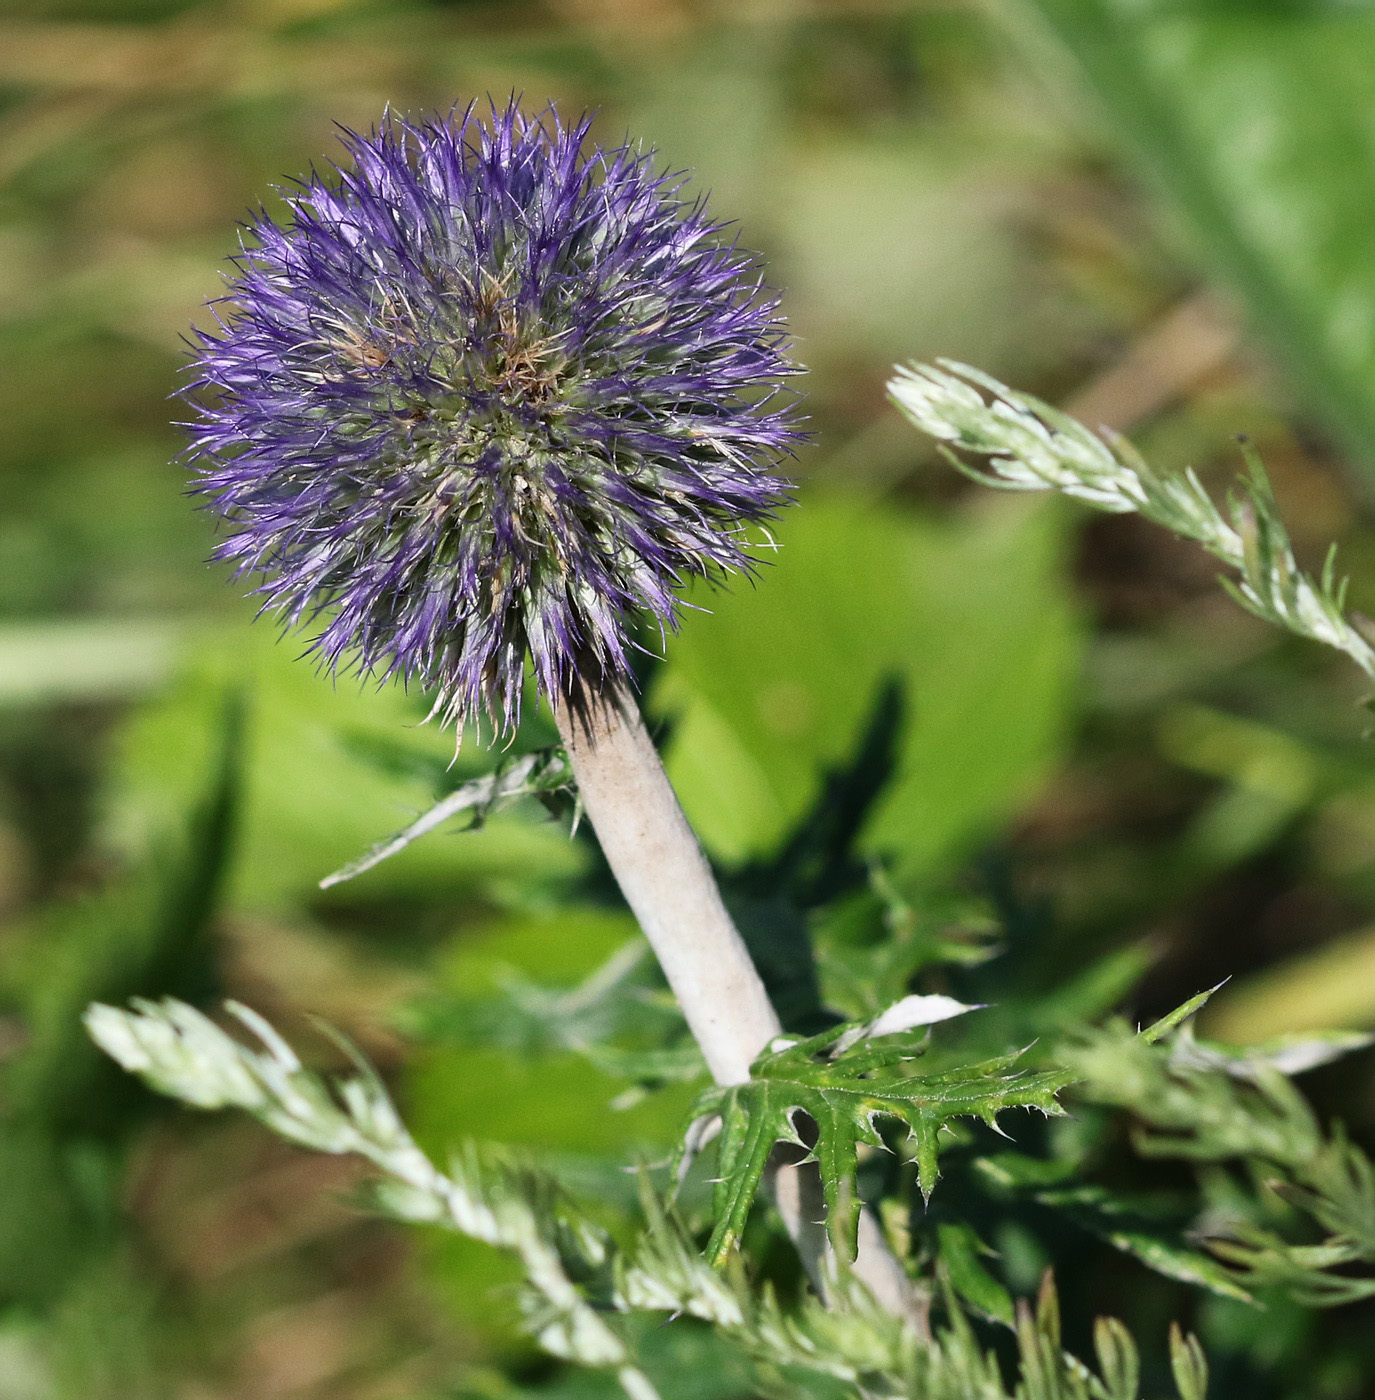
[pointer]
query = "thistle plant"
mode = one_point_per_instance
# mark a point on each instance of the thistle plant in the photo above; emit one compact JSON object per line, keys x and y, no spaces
{"x":481,"y":402}
{"x":484,"y":400}
{"x":475,"y":406}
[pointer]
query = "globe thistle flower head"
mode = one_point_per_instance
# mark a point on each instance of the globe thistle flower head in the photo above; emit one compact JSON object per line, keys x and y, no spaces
{"x":484,"y":393}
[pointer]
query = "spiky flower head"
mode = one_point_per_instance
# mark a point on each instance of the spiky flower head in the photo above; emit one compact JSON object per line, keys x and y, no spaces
{"x":483,"y":393}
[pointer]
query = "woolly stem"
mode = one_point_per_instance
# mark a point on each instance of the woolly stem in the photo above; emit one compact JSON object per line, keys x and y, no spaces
{"x":666,"y":881}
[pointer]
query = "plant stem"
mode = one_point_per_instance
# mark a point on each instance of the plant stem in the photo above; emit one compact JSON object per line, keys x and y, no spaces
{"x":667,"y":883}
{"x":669,"y":886}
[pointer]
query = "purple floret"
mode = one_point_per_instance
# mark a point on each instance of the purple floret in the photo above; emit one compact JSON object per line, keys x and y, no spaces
{"x":488,"y":391}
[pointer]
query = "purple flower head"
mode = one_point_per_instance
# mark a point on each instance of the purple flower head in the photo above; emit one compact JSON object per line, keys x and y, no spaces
{"x":485,"y":392}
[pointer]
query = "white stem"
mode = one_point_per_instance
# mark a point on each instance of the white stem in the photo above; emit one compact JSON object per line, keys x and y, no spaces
{"x":666,"y":881}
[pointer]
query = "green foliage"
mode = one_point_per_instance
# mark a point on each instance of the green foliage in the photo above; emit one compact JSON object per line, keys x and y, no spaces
{"x":541,"y":774}
{"x":1112,"y":1215}
{"x":578,"y":1007}
{"x":872,"y":1355}
{"x":1030,"y":446}
{"x":845,"y":1095}
{"x":325,"y":770}
{"x":621,"y":1017}
{"x":829,"y":1093}
{"x":873,"y":943}
{"x":962,"y":1255}
{"x":859,"y":595}
{"x":570,"y":1263}
{"x":554,"y":1009}
{"x":180,"y":1052}
{"x":1195,"y":1103}
{"x":920,"y":193}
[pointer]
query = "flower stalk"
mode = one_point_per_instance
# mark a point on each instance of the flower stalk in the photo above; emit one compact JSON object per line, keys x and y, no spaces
{"x":669,"y":887}
{"x":666,"y":880}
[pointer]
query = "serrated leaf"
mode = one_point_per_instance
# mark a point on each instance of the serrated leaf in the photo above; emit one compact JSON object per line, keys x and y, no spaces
{"x":843,"y":1097}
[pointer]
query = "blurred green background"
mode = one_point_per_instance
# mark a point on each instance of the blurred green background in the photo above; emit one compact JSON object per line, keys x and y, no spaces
{"x":1156,"y":213}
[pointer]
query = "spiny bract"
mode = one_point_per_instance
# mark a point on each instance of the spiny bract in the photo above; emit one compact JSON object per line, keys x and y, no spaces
{"x":485,"y":391}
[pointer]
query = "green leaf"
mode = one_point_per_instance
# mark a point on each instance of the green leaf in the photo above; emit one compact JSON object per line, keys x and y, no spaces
{"x":1191,"y":1107}
{"x":1312,"y":1276}
{"x":620,"y":1016}
{"x":516,"y":1029}
{"x":1176,"y":1018}
{"x":844,"y":1097}
{"x":960,"y":1249}
{"x":1220,"y":105}
{"x":1116,"y":1219}
{"x":872,"y":945}
{"x":859,"y":594}
{"x":817,"y":861}
{"x":1117,"y":1358}
{"x":494,"y":1069}
{"x":314,"y":791}
{"x":1096,"y":1210}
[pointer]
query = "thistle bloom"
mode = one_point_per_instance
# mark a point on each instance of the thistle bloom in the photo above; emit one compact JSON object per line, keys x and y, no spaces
{"x":487,"y":391}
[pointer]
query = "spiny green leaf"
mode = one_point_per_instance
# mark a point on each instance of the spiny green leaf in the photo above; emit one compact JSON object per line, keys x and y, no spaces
{"x":844,"y":1096}
{"x":1161,"y":1028}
